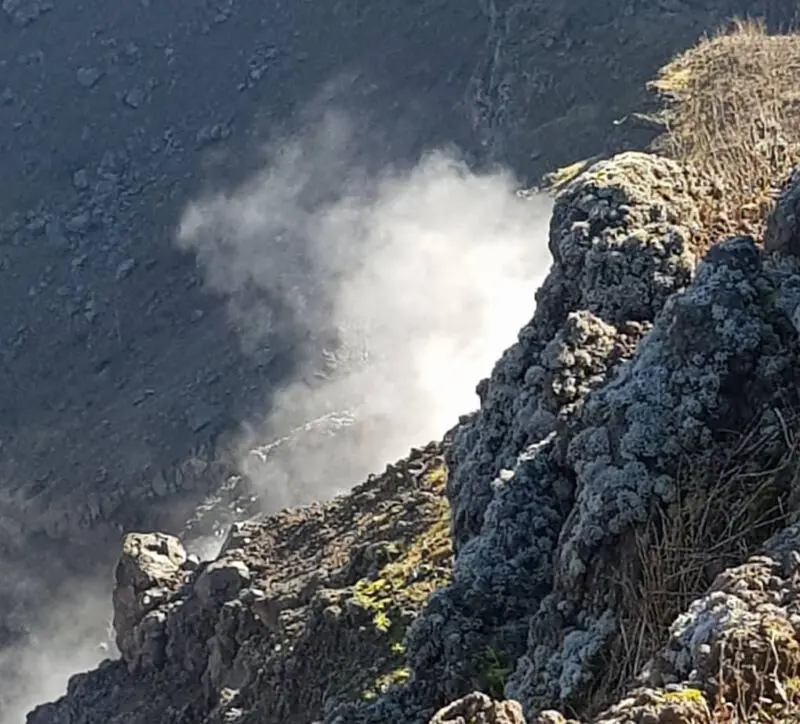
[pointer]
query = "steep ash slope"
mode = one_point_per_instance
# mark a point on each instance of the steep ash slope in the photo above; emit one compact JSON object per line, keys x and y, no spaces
{"x":113,"y":117}
{"x":122,"y":378}
{"x":636,"y":440}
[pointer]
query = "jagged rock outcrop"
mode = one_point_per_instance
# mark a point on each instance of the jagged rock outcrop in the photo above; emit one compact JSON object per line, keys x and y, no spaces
{"x":621,"y":239}
{"x":718,"y":357}
{"x":634,"y":443}
{"x":544,"y":518}
{"x":149,"y":572}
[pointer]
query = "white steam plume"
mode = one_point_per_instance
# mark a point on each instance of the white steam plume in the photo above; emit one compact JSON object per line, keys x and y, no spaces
{"x":398,"y":290}
{"x":74,"y":636}
{"x":401,"y":288}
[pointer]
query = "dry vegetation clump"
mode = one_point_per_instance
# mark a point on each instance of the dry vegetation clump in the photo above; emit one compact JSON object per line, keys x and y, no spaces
{"x":720,"y":517}
{"x":732,"y":110}
{"x":756,"y":673}
{"x":752,"y":678}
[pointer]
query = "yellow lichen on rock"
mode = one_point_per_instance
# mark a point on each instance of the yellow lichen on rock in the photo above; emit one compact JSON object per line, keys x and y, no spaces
{"x":418,"y":568}
{"x":405,"y":582}
{"x":383,"y":682}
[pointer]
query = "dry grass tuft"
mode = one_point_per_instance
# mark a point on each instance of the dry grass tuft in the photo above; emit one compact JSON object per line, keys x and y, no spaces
{"x":719,"y":519}
{"x":732,"y":107}
{"x":757,"y":668}
{"x":556,"y":180}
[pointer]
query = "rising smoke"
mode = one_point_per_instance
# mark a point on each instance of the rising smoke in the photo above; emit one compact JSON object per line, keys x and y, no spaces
{"x":401,"y":288}
{"x":396,"y":290}
{"x":70,"y":636}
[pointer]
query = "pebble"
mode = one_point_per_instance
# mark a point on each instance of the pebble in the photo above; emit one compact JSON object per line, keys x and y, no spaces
{"x":125,"y":268}
{"x":80,"y":179}
{"x":24,"y":12}
{"x":78,"y":223}
{"x":134,"y":98}
{"x":55,"y":235}
{"x":88,"y":76}
{"x":212,"y":134}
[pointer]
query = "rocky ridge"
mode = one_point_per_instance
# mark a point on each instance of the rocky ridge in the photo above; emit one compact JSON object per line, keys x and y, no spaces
{"x":651,"y":389}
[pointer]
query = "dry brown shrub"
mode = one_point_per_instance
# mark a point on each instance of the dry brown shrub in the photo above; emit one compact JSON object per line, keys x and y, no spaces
{"x":757,"y":668}
{"x":721,"y":516}
{"x":732,"y":109}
